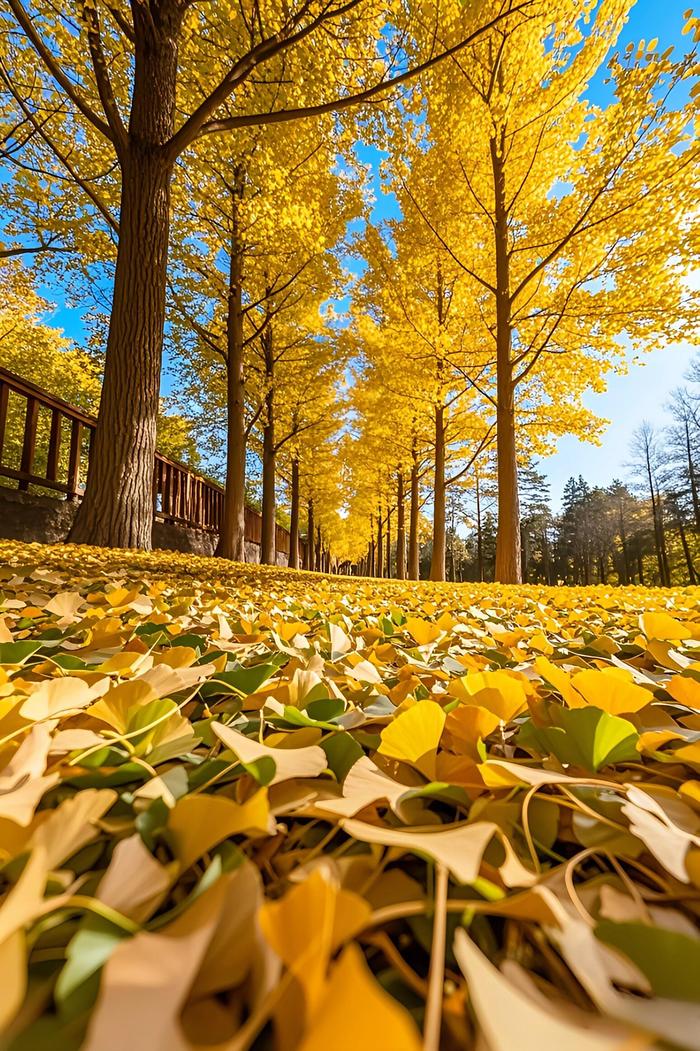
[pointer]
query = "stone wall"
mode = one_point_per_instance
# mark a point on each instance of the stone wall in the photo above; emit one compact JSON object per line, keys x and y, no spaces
{"x":45,"y":520}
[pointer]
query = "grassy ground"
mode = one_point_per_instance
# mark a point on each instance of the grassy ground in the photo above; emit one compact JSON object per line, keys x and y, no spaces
{"x":251,"y":808}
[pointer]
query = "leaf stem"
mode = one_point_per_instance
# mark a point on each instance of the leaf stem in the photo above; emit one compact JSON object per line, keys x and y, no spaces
{"x":436,"y":976}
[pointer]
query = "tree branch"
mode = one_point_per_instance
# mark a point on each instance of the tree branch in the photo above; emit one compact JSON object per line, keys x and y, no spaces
{"x":60,"y":156}
{"x":55,"y":70}
{"x":279,"y":116}
{"x":104,"y":84}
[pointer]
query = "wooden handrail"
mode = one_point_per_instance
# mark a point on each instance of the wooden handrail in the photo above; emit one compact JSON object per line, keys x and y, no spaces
{"x":180,"y":495}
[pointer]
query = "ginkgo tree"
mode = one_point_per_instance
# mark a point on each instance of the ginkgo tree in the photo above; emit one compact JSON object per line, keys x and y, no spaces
{"x":254,"y":258}
{"x":574,"y":211}
{"x":385,"y":449}
{"x":414,"y":319}
{"x":143,"y":81}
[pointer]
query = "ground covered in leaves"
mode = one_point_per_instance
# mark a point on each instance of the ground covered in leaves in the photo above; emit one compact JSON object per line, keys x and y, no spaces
{"x":245,"y":808}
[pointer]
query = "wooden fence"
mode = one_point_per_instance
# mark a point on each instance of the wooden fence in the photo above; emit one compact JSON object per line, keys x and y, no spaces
{"x":49,"y":441}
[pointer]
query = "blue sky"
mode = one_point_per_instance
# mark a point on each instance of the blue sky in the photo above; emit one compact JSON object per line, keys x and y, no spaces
{"x":640,"y":394}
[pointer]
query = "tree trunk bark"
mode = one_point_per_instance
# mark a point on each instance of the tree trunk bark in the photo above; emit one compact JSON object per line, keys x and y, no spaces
{"x":380,"y":546}
{"x":400,"y":529}
{"x":413,"y":548}
{"x":662,"y":537}
{"x":267,"y":543}
{"x":118,"y":504}
{"x":294,"y":518}
{"x":388,"y":543}
{"x":603,"y":569}
{"x":625,"y":554}
{"x":437,"y":561}
{"x":659,"y":540}
{"x":508,"y":566}
{"x":545,"y":556}
{"x":692,"y":478}
{"x":524,"y":554}
{"x":310,"y":561}
{"x":479,"y":536}
{"x":319,"y":550}
{"x":692,"y":575}
{"x":232,"y":537}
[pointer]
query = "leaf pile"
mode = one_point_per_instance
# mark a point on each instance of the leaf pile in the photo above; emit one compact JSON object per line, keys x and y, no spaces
{"x":248,"y":808}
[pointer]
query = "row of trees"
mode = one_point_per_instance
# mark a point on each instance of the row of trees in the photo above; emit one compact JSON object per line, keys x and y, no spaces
{"x":201,"y":167}
{"x":198,"y":111}
{"x":643,"y":530}
{"x":533,"y":246}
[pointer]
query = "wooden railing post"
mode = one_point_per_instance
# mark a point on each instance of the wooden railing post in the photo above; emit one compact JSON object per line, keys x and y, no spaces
{"x":4,"y":398}
{"x":54,"y":447}
{"x":28,"y":441}
{"x":76,"y":441}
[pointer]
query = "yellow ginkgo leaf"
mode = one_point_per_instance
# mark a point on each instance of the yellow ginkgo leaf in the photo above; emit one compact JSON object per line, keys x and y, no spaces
{"x":198,"y":823}
{"x":308,"y":925}
{"x":540,"y":643}
{"x":65,"y":605}
{"x":685,"y":690}
{"x":559,"y":679}
{"x":356,"y":1013}
{"x":289,"y":762}
{"x":423,"y":631}
{"x":56,"y":697}
{"x":114,"y":707}
{"x":611,"y":693}
{"x":126,"y":664}
{"x":467,"y":725}
{"x":664,"y":627}
{"x":691,"y":791}
{"x":413,"y":736}
{"x":499,"y":692}
{"x":689,"y":753}
{"x":288,"y":629}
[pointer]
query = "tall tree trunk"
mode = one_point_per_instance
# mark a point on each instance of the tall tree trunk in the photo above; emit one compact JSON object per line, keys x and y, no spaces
{"x":659,"y":539}
{"x":319,"y":550}
{"x":451,"y":551}
{"x":437,"y":562}
{"x":626,"y":574}
{"x":640,"y":562}
{"x":118,"y":504}
{"x":508,"y":566}
{"x":269,"y":465}
{"x":692,"y":478}
{"x":479,"y":536}
{"x":294,"y":517}
{"x":232,"y":535}
{"x":400,"y":529}
{"x":662,"y":538}
{"x":692,"y":575}
{"x":413,"y":549}
{"x":380,"y":545}
{"x":310,"y":560}
{"x":388,"y":543}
